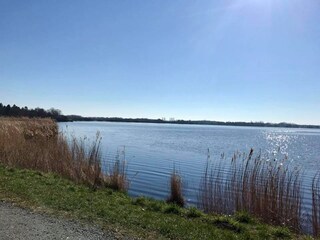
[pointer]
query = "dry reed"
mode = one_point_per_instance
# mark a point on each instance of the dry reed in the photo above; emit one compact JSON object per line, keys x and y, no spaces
{"x":316,"y":205}
{"x":36,"y":144}
{"x":176,"y":195}
{"x":116,"y":177}
{"x":265,"y":188}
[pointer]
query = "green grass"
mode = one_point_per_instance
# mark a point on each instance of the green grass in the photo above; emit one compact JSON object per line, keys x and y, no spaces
{"x":140,"y":217}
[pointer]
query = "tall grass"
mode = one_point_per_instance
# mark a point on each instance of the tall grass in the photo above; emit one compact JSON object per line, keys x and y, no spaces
{"x":263,"y":187}
{"x":116,"y":177}
{"x":316,"y":205}
{"x":176,"y":195}
{"x":36,"y":144}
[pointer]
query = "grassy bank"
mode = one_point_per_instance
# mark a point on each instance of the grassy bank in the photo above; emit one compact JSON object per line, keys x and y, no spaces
{"x":65,"y":176}
{"x":113,"y":210}
{"x":36,"y":144}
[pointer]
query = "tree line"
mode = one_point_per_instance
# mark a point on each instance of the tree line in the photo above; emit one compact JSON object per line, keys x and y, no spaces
{"x":190,"y":122}
{"x":15,"y":111}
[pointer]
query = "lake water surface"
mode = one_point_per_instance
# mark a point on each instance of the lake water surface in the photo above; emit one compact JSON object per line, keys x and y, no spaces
{"x":152,"y":150}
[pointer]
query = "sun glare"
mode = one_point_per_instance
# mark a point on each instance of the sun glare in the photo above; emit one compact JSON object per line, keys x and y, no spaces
{"x":258,"y":4}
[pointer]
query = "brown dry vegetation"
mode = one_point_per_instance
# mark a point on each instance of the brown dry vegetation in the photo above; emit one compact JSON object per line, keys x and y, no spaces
{"x":269,"y":190}
{"x":29,"y":128}
{"x":176,"y":195}
{"x":36,"y":144}
{"x":117,"y":177}
{"x":316,"y":205}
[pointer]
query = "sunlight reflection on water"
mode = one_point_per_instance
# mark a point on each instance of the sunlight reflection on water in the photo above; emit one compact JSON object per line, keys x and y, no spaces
{"x":153,"y":149}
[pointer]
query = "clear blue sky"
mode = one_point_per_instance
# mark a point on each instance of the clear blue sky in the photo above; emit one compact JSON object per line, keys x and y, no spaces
{"x":229,"y":60}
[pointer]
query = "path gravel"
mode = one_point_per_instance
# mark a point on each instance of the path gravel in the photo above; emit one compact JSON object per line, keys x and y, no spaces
{"x":17,"y":223}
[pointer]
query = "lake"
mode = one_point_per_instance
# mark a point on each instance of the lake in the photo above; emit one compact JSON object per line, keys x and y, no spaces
{"x":153,"y":150}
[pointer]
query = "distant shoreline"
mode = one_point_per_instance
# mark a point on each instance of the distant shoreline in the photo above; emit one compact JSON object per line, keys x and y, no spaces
{"x":56,"y":114}
{"x":73,"y":118}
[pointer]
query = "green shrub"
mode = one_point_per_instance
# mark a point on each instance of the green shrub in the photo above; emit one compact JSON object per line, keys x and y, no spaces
{"x":155,"y":206}
{"x":193,"y":212}
{"x":140,"y":201}
{"x":173,"y":208}
{"x":281,"y":233}
{"x":228,"y":224}
{"x":243,"y":217}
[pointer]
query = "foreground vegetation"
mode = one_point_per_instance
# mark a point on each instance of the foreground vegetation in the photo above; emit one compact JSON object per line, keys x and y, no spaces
{"x":35,"y":144}
{"x":65,"y":175}
{"x":140,"y":217}
{"x":267,"y":188}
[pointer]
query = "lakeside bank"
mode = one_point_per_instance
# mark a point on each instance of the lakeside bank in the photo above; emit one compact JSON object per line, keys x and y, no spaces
{"x":80,"y":164}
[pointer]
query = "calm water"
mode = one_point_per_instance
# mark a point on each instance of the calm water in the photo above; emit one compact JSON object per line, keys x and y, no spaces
{"x":152,"y":150}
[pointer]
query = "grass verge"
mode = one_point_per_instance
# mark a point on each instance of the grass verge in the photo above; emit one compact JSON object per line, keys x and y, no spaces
{"x":139,"y":217}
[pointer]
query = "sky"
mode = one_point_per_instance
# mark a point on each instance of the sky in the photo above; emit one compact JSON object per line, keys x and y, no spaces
{"x":226,"y":60}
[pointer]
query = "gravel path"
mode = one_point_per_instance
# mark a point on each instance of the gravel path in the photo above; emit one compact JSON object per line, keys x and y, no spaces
{"x":17,"y":223}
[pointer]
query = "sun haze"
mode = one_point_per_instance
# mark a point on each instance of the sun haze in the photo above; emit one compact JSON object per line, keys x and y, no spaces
{"x":241,"y":60}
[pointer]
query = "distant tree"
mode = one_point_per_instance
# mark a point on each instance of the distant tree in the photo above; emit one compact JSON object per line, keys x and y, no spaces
{"x":15,"y":111}
{"x":40,"y":112}
{"x":25,"y":111}
{"x":1,"y":109}
{"x":7,"y":110}
{"x":54,"y":112}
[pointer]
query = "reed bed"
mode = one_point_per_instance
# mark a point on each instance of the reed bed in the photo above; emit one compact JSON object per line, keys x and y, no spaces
{"x":263,"y":187}
{"x":116,"y":174}
{"x":176,"y":195}
{"x":29,"y":128}
{"x":268,"y":189}
{"x":316,"y":205}
{"x":36,"y":144}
